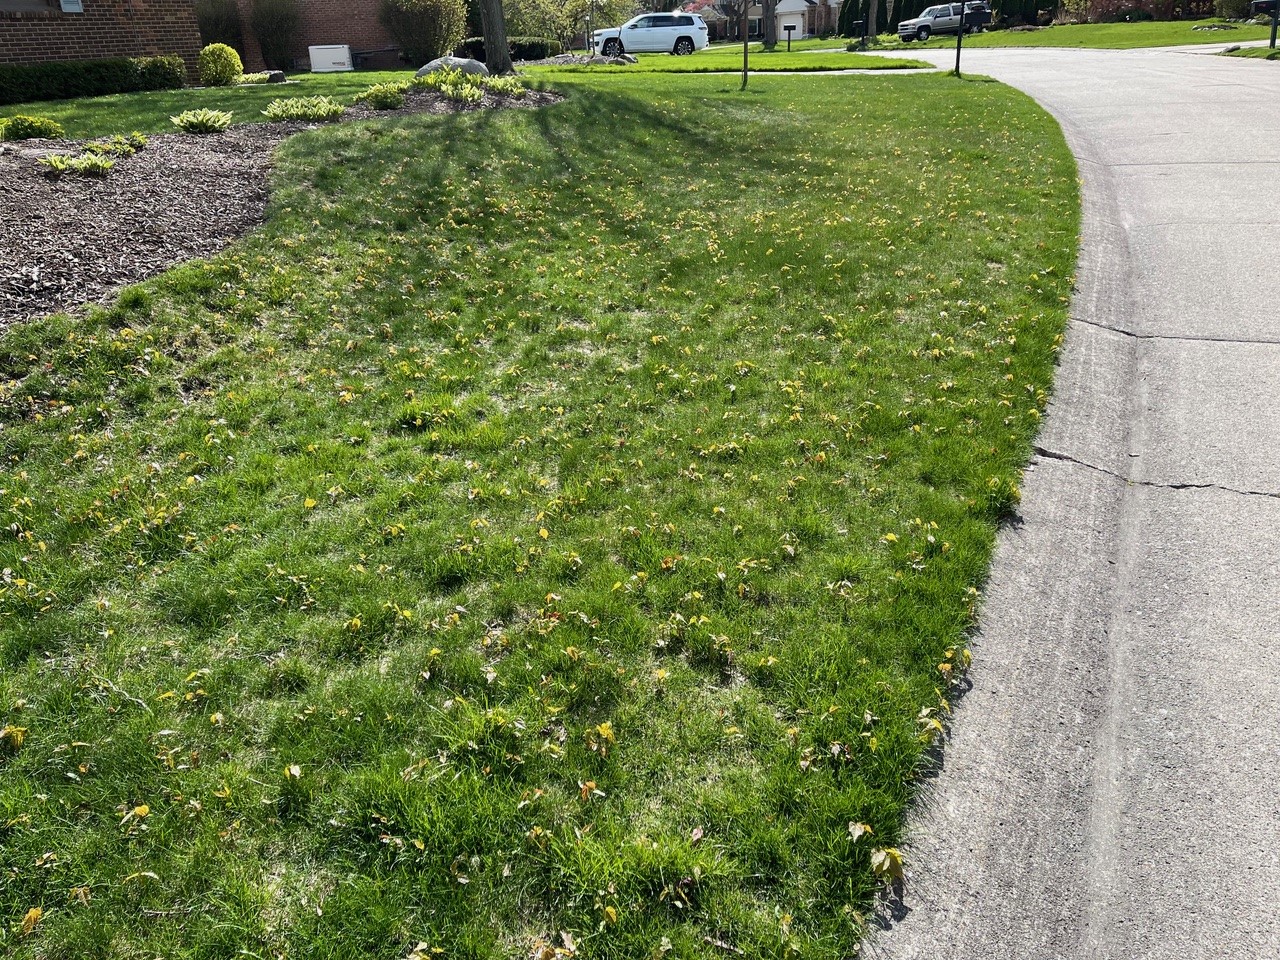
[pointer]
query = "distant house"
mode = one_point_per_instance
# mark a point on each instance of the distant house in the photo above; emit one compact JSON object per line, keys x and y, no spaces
{"x":810,"y":18}
{"x":351,"y":23}
{"x":32,"y":31}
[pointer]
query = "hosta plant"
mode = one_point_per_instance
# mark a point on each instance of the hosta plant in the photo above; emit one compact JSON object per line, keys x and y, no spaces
{"x":463,"y":92}
{"x":85,"y":165}
{"x":117,"y":146}
{"x":55,"y":164}
{"x":511,"y":86}
{"x":438,"y":78}
{"x":313,"y":109}
{"x":384,"y":96}
{"x":202,"y":121}
{"x":92,"y":165}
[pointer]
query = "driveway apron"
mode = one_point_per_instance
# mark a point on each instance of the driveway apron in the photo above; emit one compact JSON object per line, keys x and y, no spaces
{"x":1111,"y":790}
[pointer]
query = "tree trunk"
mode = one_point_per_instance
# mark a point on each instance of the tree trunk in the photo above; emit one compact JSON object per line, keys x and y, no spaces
{"x":497,"y":56}
{"x":769,"y":18}
{"x":892,"y":23}
{"x":848,"y":14}
{"x":873,"y":19}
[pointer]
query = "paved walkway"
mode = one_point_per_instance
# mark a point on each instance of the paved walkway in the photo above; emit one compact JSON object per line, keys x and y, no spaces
{"x":1112,"y":788}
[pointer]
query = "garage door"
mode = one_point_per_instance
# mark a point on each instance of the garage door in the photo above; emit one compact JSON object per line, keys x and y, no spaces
{"x":796,"y":21}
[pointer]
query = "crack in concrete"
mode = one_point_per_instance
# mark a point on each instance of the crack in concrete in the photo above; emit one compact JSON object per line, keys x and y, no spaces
{"x":1046,"y":454}
{"x":1185,"y":338}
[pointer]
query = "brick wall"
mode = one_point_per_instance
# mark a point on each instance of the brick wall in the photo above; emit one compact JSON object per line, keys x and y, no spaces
{"x":325,"y":22}
{"x":107,"y":28}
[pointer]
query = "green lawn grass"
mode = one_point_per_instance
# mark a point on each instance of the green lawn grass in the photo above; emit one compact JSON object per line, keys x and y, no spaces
{"x":1099,"y":36}
{"x":720,"y":60}
{"x":550,"y":529}
{"x":150,"y":112}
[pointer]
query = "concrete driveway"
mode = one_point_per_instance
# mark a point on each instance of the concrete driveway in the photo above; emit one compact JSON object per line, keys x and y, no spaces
{"x":1112,"y":787}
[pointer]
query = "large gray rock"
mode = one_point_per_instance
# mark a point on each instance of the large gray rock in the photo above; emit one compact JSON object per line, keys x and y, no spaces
{"x":276,"y":76}
{"x":457,"y":63}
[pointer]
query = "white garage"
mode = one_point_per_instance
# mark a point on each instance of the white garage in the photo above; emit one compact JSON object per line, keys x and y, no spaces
{"x":795,"y":13}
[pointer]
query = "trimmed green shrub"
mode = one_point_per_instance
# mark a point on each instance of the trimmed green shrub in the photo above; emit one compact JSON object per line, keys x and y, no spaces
{"x":161,"y":73}
{"x":219,"y":22}
{"x":220,"y":65}
{"x":20,"y":83}
{"x":30,"y":128}
{"x":1231,"y":9}
{"x":202,"y":121}
{"x":522,"y":48}
{"x":276,"y":24}
{"x":61,"y":81}
{"x":424,"y":29}
{"x":313,"y":109}
{"x":384,"y":96}
{"x":472,"y":48}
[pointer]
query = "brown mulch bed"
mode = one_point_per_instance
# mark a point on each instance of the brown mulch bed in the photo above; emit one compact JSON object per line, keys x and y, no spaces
{"x":67,"y":242}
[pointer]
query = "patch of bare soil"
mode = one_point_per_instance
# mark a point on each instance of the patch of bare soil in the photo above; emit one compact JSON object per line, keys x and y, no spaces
{"x":76,"y":240}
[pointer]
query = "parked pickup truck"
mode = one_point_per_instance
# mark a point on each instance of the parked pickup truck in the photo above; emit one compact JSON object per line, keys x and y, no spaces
{"x":944,"y":18}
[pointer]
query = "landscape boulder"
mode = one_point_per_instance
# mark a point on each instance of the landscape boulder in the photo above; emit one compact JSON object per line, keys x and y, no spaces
{"x":276,"y":76}
{"x":457,"y":63}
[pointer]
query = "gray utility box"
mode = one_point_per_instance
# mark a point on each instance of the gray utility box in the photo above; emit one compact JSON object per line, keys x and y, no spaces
{"x":331,"y":59}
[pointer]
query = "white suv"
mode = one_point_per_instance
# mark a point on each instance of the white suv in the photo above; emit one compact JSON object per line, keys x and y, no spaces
{"x":678,"y":33}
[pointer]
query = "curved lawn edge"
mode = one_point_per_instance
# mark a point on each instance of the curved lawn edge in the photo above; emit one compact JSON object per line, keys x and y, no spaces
{"x":1252,"y":53}
{"x":557,"y":523}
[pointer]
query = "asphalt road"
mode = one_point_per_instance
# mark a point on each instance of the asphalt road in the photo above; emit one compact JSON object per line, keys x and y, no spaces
{"x":1111,"y":790}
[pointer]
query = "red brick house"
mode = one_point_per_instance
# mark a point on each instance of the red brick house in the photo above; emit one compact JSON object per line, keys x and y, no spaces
{"x":353,"y":23}
{"x":41,"y":30}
